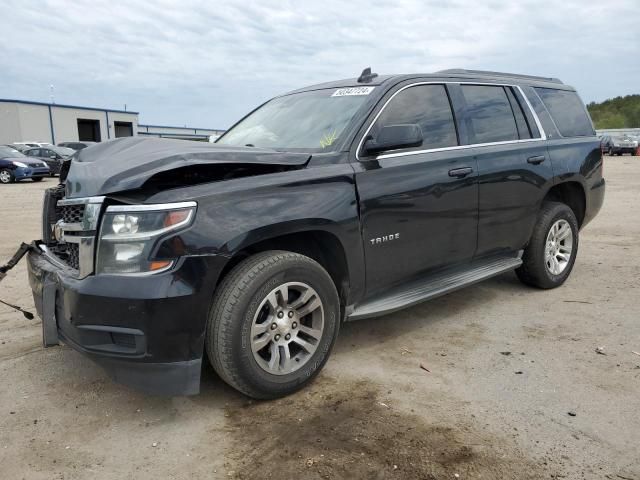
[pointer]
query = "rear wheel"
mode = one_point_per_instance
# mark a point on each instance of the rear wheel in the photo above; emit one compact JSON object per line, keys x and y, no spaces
{"x":548,"y":259}
{"x":6,"y":176}
{"x":273,"y":322}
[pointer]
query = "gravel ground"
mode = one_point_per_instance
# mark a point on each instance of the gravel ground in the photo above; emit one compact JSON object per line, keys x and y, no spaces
{"x":514,"y":387}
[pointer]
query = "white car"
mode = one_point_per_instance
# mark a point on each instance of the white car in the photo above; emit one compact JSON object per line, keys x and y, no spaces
{"x":34,"y":144}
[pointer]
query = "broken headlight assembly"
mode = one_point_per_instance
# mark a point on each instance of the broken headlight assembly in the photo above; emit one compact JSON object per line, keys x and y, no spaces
{"x":130,"y":233}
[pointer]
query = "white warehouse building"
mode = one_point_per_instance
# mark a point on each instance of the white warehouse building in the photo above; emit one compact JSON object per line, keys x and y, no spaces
{"x":26,"y":121}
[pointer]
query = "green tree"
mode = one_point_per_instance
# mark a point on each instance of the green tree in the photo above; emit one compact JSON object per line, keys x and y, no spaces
{"x":618,"y":112}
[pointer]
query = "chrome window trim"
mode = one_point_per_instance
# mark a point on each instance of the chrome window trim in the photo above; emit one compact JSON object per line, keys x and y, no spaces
{"x":458,"y":147}
{"x":543,"y":135}
{"x":151,"y":208}
{"x":544,"y":105}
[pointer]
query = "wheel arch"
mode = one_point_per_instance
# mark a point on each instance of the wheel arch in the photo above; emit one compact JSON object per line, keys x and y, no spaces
{"x":572,"y":194}
{"x":320,"y":244}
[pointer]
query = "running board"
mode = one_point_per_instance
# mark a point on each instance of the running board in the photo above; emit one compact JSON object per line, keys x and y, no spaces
{"x":422,"y":290}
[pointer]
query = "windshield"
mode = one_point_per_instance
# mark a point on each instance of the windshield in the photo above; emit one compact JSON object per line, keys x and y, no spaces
{"x":8,"y":152}
{"x":303,"y":121}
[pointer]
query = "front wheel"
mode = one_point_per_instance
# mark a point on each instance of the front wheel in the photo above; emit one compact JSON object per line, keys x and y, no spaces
{"x":6,"y":176}
{"x":273,"y":322}
{"x":551,"y":253}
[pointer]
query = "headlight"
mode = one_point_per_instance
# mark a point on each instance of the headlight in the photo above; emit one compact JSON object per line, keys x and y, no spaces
{"x":20,"y":164}
{"x":129,"y":234}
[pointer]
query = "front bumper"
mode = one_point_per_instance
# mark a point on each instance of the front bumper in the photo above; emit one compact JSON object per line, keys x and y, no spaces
{"x":147,"y":332}
{"x":22,"y":173}
{"x":622,"y":150}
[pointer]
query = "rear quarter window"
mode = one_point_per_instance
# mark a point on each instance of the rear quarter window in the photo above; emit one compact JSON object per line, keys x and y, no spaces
{"x":567,"y":111}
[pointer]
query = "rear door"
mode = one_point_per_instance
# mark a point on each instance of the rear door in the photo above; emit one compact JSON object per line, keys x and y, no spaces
{"x":514,"y":169}
{"x":418,"y":207}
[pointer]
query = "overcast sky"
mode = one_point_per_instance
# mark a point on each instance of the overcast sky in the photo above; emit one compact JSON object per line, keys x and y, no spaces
{"x":205,"y":64}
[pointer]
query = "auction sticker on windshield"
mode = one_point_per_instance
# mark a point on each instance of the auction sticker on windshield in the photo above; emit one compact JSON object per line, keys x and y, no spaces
{"x":345,"y":92}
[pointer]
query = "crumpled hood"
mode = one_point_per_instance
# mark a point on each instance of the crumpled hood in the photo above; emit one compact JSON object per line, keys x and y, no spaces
{"x":127,"y":163}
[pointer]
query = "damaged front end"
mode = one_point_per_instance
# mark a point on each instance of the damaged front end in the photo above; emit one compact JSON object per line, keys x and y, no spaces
{"x":115,"y":276}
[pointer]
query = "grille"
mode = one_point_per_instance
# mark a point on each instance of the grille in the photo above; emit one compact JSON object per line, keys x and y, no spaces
{"x":72,"y":213}
{"x":73,"y":255}
{"x":51,"y":212}
{"x":77,"y":237}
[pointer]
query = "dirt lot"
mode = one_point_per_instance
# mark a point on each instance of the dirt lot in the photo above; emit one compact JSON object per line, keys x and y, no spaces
{"x":515,"y":388}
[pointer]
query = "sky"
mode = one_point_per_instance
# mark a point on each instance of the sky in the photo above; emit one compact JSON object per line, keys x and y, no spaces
{"x":206,"y":64}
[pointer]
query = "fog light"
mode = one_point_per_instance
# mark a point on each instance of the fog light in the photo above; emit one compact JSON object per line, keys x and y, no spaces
{"x":126,"y":252}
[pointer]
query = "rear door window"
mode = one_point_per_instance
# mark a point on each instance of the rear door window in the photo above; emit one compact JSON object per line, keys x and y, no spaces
{"x":567,"y":111}
{"x":424,"y":105}
{"x":489,"y":114}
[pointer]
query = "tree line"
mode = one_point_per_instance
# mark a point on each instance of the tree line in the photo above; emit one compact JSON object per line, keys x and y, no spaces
{"x":618,"y":112}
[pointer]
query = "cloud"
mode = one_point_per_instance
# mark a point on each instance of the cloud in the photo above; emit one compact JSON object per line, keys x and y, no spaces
{"x":205,"y":64}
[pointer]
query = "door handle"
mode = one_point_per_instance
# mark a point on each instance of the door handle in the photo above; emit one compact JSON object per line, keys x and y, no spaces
{"x":460,"y":172}
{"x":536,"y":160}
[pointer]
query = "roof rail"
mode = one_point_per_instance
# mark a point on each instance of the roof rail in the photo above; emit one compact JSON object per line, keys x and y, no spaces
{"x":455,"y":71}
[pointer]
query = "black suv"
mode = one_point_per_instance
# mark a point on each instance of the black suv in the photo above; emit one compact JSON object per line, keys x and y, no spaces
{"x":331,"y":203}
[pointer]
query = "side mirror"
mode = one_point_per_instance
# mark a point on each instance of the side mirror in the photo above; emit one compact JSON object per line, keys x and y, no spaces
{"x":393,"y":137}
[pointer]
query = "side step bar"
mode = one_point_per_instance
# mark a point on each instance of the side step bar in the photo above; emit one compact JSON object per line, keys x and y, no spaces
{"x":422,"y":290}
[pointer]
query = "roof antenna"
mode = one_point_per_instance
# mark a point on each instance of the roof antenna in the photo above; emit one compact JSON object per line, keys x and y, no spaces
{"x":366,"y":76}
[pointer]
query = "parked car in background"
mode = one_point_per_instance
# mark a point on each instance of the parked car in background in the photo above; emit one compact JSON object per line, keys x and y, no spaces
{"x":617,"y":145}
{"x":21,"y":147}
{"x":15,"y":166}
{"x":76,"y":145}
{"x":34,"y":144}
{"x":53,"y":156}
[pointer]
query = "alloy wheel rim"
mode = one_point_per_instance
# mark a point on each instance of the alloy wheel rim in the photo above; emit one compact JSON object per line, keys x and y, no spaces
{"x":5,"y":177}
{"x":558,"y":247}
{"x":287,"y":328}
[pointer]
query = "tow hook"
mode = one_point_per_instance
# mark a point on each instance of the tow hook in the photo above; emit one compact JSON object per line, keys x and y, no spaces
{"x":22,"y":251}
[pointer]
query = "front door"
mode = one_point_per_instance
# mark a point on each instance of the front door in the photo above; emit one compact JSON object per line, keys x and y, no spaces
{"x":419,"y":206}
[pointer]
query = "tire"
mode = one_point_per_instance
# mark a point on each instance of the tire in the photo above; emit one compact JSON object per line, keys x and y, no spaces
{"x":6,"y":176}
{"x":540,"y":267}
{"x":241,"y":304}
{"x":37,"y":179}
